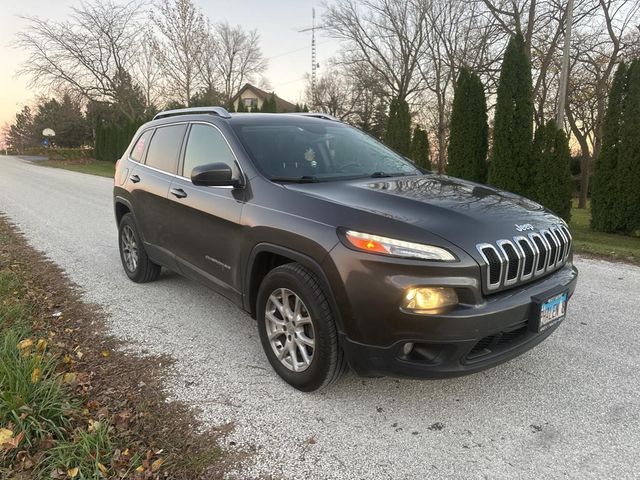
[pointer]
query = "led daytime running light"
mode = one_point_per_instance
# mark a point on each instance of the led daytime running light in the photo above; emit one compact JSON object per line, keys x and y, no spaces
{"x":397,"y":248}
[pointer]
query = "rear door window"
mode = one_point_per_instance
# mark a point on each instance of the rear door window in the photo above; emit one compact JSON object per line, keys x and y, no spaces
{"x":165,"y":146}
{"x":138,"y":149}
{"x":207,"y":145}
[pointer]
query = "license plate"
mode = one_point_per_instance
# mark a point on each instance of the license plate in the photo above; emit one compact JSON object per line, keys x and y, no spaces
{"x":553,"y":309}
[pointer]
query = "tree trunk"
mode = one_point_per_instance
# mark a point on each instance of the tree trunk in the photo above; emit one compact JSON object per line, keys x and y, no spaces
{"x":585,"y":169}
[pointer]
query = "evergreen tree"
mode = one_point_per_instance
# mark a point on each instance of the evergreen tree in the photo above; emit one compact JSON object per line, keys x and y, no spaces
{"x":628,"y":176}
{"x":552,"y":185}
{"x":420,"y":148}
{"x":241,"y":106}
{"x":66,"y":119}
{"x":398,"y":132}
{"x":206,"y":98}
{"x":269,"y":104}
{"x":21,"y":133}
{"x":511,"y":162}
{"x":605,"y":187}
{"x":468,"y":140}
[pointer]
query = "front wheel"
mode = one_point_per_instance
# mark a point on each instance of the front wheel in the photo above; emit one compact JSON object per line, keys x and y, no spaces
{"x":297,"y":329}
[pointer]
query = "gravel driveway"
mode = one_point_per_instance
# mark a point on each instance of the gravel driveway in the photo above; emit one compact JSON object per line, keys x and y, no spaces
{"x":570,"y":408}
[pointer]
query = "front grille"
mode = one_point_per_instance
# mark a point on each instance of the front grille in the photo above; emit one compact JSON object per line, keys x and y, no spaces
{"x":509,"y":262}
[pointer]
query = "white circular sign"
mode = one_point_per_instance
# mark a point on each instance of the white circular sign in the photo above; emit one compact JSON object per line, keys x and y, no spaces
{"x":48,"y":132}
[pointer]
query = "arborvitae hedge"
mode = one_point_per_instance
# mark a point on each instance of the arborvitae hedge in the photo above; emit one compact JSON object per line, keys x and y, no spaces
{"x":112,"y":140}
{"x":269,"y":104}
{"x":552,"y":183}
{"x":511,"y":165}
{"x":468,"y":140}
{"x":420,"y":148}
{"x":605,"y":184}
{"x":398,"y":132}
{"x":629,"y":157}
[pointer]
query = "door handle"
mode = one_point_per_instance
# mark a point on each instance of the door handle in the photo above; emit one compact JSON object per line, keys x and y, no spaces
{"x":134,"y":178}
{"x":178,"y":192}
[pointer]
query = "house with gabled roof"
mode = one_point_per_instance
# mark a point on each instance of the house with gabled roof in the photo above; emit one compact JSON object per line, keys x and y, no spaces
{"x":253,"y":97}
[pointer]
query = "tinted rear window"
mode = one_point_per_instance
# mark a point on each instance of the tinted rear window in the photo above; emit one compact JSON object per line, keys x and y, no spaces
{"x":165,"y":147}
{"x":138,"y":149}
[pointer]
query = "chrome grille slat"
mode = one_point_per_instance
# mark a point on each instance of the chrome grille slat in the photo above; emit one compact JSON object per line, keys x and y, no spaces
{"x":511,"y":261}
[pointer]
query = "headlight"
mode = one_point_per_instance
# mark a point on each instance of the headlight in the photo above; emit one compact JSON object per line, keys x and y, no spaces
{"x":397,"y":248}
{"x":428,"y":299}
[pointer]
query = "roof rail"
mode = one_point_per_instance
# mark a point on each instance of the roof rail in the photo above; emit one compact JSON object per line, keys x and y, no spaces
{"x":326,"y":116}
{"x":219,"y":111}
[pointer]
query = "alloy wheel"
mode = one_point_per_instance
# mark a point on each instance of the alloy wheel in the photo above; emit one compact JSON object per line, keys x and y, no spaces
{"x":290,"y":329}
{"x":129,"y":248}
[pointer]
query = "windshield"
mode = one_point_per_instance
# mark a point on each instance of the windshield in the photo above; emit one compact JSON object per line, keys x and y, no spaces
{"x":319,"y":151}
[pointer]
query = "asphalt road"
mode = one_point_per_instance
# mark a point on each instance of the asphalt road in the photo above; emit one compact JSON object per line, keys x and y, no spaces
{"x":570,"y":408}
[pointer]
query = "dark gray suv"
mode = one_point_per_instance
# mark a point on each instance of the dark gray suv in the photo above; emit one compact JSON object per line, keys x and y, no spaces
{"x":345,"y":252}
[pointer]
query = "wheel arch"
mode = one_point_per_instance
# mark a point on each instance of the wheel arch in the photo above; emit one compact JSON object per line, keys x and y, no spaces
{"x":122,"y":206}
{"x":266,"y":256}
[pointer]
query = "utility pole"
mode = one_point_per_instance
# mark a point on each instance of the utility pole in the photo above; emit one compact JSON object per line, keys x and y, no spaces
{"x":564,"y":73}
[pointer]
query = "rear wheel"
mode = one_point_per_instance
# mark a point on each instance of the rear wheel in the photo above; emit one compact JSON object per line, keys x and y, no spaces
{"x":137,"y":264}
{"x":297,"y":329}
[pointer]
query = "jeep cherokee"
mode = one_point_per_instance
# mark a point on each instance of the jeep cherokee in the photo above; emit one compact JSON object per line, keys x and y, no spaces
{"x":344,"y":251}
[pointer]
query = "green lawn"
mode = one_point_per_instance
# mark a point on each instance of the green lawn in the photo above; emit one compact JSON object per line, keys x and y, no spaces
{"x":609,"y":245}
{"x":93,"y":167}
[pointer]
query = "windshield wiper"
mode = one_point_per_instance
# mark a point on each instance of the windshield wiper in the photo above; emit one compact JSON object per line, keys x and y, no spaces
{"x":302,"y":179}
{"x":386,"y":175}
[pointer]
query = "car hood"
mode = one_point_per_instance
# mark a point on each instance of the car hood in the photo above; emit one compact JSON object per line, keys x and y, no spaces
{"x":464,"y":213}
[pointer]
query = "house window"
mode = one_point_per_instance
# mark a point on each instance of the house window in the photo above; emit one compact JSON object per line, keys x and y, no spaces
{"x":250,"y":102}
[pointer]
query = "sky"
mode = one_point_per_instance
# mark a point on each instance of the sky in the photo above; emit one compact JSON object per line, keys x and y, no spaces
{"x":277,"y":22}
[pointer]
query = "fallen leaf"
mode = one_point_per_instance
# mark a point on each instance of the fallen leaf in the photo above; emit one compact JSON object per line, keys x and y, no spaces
{"x":106,"y":353}
{"x":25,"y":344}
{"x":140,"y":469}
{"x":93,"y":425}
{"x":36,"y":375}
{"x":73,"y":472}
{"x":5,"y":435}
{"x":79,"y":354}
{"x":155,"y":466}
{"x":11,"y":442}
{"x":42,"y":345}
{"x":69,"y":377}
{"x":103,"y":469}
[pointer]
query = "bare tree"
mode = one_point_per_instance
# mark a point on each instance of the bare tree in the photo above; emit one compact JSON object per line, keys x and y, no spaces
{"x":457,"y":36}
{"x":236,"y":56}
{"x":388,"y":35}
{"x":148,"y":73}
{"x":596,"y":50}
{"x":91,"y":53}
{"x":333,"y":94}
{"x":179,"y":48}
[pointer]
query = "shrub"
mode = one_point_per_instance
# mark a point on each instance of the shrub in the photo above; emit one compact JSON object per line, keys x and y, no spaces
{"x":553,"y":184}
{"x":511,"y":160}
{"x":468,"y":140}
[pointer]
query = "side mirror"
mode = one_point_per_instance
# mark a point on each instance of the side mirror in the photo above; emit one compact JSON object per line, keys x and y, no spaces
{"x":214,"y":175}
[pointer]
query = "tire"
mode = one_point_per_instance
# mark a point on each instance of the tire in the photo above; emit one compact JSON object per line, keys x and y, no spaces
{"x":291,"y":332}
{"x":142,"y":269}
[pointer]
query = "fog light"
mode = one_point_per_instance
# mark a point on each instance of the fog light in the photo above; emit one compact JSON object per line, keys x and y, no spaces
{"x":407,"y":347}
{"x":428,"y":299}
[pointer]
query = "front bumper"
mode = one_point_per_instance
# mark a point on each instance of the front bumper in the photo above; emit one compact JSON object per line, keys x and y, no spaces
{"x":479,"y":334}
